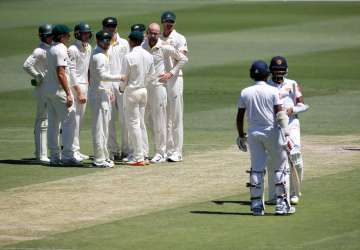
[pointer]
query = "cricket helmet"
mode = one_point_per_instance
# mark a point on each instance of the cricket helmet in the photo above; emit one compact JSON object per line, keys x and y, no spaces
{"x":110,"y":22}
{"x":82,"y":28}
{"x":278,"y":68}
{"x":103,"y":36}
{"x":168,"y":16}
{"x":139,"y":27}
{"x":259,"y":70}
{"x":45,"y":30}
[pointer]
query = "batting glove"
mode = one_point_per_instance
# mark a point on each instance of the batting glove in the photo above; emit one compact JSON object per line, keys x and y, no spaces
{"x":242,"y":143}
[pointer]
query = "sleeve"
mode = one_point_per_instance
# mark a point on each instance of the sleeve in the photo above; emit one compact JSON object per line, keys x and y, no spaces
{"x":30,"y":62}
{"x":276,"y":98}
{"x":183,"y":44}
{"x":72,"y":66}
{"x":297,"y":90}
{"x":62,"y":58}
{"x":151,"y":76}
{"x":176,"y":55}
{"x":104,"y":76}
{"x":241,"y":102}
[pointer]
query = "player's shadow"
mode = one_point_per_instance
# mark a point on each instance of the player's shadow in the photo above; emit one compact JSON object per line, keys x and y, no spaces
{"x":34,"y":162}
{"x":224,"y":202}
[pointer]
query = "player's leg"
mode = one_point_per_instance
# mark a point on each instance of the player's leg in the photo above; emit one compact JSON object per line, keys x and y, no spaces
{"x":158,"y":115}
{"x":40,"y":129}
{"x":113,"y":145}
{"x":279,"y":160}
{"x":53,"y":132}
{"x":257,"y":171}
{"x":125,"y":147}
{"x":295,"y":155}
{"x":144,"y":135}
{"x":176,"y":116}
{"x":271,"y":184}
{"x":132,"y":112}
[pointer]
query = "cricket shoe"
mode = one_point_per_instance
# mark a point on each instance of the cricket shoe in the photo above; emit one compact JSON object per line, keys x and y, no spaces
{"x":136,"y":163}
{"x":43,"y":160}
{"x":71,"y":162}
{"x":294,"y":200}
{"x":82,"y":156}
{"x":127,"y":158}
{"x":175,"y":157}
{"x":257,"y":207}
{"x":55,"y":162}
{"x":283,"y":208}
{"x":105,"y":164}
{"x":114,"y":156}
{"x":158,"y":158}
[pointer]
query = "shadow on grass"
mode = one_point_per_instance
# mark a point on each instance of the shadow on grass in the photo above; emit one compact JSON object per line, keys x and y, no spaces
{"x":35,"y":162}
{"x":219,"y":202}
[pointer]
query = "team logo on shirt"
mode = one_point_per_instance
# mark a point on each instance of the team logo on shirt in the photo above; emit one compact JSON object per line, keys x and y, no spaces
{"x":279,"y":62}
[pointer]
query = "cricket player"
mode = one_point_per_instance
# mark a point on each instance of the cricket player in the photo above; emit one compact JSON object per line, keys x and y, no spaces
{"x":293,"y":103}
{"x":59,"y":99}
{"x":101,"y":96}
{"x":79,"y":54}
{"x":157,"y":95}
{"x":264,"y":112}
{"x":138,"y":69}
{"x":36,"y":66}
{"x":174,"y":86}
{"x":117,"y":51}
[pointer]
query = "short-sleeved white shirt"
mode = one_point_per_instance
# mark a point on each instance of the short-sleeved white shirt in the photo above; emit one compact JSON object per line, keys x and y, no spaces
{"x":259,"y":101}
{"x":79,"y":55}
{"x":289,"y":90}
{"x":139,"y":68}
{"x":57,"y":56}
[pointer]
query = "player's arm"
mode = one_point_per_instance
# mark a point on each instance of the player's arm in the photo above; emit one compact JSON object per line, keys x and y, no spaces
{"x":181,"y":59}
{"x":241,"y":140}
{"x":29,"y":66}
{"x":103,"y":74}
{"x":81,"y":98}
{"x":240,"y":122}
{"x":300,"y":105}
{"x":61,"y":74}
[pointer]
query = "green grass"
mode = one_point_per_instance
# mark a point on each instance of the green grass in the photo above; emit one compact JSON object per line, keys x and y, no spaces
{"x":326,"y":219}
{"x":320,"y":41}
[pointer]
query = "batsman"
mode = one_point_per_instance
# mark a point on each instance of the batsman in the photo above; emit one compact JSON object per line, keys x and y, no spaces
{"x":293,"y":103}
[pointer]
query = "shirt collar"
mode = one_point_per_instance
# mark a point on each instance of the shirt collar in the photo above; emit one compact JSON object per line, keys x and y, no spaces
{"x":260,"y":83}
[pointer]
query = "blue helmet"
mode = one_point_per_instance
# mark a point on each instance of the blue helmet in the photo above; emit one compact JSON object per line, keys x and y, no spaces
{"x":168,"y":16}
{"x":278,"y":68}
{"x":82,"y":28}
{"x":259,"y":70}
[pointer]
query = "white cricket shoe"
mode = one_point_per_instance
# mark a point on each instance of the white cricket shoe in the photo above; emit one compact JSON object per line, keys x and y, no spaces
{"x":83,"y":156}
{"x":175,"y":157}
{"x":105,"y":164}
{"x":158,"y":158}
{"x":43,"y":160}
{"x":294,"y":200}
{"x":284,"y":209}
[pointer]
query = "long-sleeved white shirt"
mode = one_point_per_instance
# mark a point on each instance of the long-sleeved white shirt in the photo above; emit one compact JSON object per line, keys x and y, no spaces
{"x":138,"y":67}
{"x":117,"y":51}
{"x":161,"y":53}
{"x":36,"y":65}
{"x":178,"y":41}
{"x":100,"y":76}
{"x":79,"y":55}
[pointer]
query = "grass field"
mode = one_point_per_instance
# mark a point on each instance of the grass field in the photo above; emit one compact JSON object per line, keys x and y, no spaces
{"x":202,"y":202}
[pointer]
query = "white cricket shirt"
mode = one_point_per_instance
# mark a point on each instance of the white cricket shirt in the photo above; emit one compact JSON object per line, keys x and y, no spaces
{"x":79,"y":55}
{"x":259,"y":101}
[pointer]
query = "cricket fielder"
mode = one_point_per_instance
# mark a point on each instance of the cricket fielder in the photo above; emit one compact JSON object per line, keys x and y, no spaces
{"x":36,"y":66}
{"x":157,"y":96}
{"x":138,"y":69}
{"x":59,"y":99}
{"x":293,"y":103}
{"x":79,"y":54}
{"x":174,"y":87}
{"x":117,"y":51}
{"x":264,"y":113}
{"x":101,"y":96}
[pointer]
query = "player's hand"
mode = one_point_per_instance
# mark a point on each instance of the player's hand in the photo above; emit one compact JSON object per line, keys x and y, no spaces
{"x":290,"y":111}
{"x":81,"y":98}
{"x":242,"y":143}
{"x":69,"y":101}
{"x":164,"y":77}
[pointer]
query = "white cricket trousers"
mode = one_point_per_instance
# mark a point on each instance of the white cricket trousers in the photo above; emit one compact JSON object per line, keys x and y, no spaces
{"x":117,"y":112}
{"x":78,"y":117}
{"x":101,"y":114}
{"x":266,"y":150}
{"x":135,"y":103}
{"x":294,"y":129}
{"x":157,"y":103}
{"x":175,"y":103}
{"x":40,"y":126}
{"x":59,"y":114}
